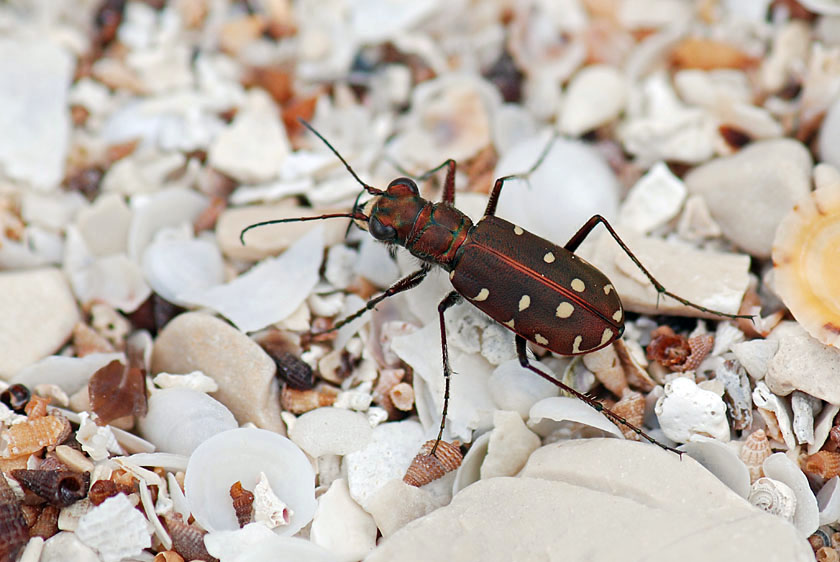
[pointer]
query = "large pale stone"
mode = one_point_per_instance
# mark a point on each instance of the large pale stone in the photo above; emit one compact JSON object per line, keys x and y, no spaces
{"x":599,"y":500}
{"x":38,"y":315}
{"x":803,"y":363}
{"x":244,"y":372}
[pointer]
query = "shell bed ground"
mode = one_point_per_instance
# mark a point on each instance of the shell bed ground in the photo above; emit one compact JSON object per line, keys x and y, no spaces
{"x":163,"y":397}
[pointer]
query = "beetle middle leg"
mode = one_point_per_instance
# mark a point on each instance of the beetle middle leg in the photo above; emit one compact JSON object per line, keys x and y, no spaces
{"x":404,"y":284}
{"x":522,"y":353}
{"x":448,"y":302}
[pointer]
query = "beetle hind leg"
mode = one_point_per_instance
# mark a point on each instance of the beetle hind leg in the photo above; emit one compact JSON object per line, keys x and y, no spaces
{"x":522,"y":353}
{"x":448,"y":302}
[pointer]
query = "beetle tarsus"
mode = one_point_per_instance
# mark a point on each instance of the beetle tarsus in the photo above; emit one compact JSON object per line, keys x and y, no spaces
{"x":448,"y":302}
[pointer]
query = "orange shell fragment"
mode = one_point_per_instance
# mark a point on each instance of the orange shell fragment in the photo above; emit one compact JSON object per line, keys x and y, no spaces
{"x":806,"y":258}
{"x":33,"y":435}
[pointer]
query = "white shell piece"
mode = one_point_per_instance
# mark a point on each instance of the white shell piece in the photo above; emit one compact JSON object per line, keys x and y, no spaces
{"x":653,"y":201}
{"x":68,"y":517}
{"x":366,"y":469}
{"x":685,"y":411}
{"x":510,"y":445}
{"x":779,"y":467}
{"x":151,"y":478}
{"x":341,"y":526}
{"x":167,"y":207}
{"x":177,"y":269}
{"x":828,"y":501}
{"x":194,"y":381}
{"x":514,"y":387}
{"x":151,"y":515}
{"x":774,"y":497}
{"x":131,"y":442}
{"x":251,"y":301}
{"x":67,"y":546}
{"x":32,"y":552}
{"x":115,"y":529}
{"x":470,"y":404}
{"x":115,"y":280}
{"x":804,"y":407}
{"x":822,"y":425}
{"x":226,"y":545}
{"x":240,"y":455}
{"x":551,"y":414}
{"x":571,"y":171}
{"x":179,"y":419}
{"x":104,"y":225}
{"x":70,"y":374}
{"x":721,"y":460}
{"x":336,"y":431}
{"x":755,"y":355}
{"x":268,"y":508}
{"x":595,"y":96}
{"x":97,"y":441}
{"x":763,"y":398}
{"x":470,"y":470}
{"x":179,"y":500}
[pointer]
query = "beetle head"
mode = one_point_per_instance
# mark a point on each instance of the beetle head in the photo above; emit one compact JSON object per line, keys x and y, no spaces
{"x":392,"y":214}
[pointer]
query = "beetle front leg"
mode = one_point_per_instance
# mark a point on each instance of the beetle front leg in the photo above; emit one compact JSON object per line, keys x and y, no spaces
{"x":522,"y":353}
{"x":449,"y":301}
{"x":497,"y":187}
{"x":586,"y":229}
{"x":404,"y":284}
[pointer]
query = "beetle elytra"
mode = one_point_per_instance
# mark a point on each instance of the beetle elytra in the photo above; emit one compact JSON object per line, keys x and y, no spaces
{"x":542,"y":292}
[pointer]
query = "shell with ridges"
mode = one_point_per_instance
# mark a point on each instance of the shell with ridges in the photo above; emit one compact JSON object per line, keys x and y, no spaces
{"x":187,"y":540}
{"x":33,"y":435}
{"x":115,"y":529}
{"x":823,"y":463}
{"x":427,"y":466}
{"x":59,"y":487}
{"x":632,"y":408}
{"x":807,"y":268}
{"x":754,"y":451}
{"x":13,"y":529}
{"x":773,"y":497}
{"x":243,"y":500}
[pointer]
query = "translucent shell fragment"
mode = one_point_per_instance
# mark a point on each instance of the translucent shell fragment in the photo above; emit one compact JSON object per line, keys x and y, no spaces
{"x":806,"y":257}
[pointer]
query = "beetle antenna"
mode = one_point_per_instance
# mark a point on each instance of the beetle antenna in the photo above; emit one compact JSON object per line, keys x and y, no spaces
{"x":354,"y":216}
{"x":369,"y":188}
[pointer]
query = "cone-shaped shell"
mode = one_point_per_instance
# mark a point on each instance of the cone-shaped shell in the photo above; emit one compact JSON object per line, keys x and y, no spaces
{"x":427,"y":466}
{"x":243,"y":502}
{"x":755,"y":449}
{"x":806,"y":258}
{"x":187,"y":540}
{"x":59,"y":487}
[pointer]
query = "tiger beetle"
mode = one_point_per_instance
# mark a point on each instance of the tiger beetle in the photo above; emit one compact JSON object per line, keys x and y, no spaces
{"x":542,"y":292}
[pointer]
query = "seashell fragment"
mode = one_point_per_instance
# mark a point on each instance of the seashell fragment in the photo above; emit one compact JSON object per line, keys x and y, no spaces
{"x":754,"y":451}
{"x":606,"y":367}
{"x":823,"y":463}
{"x":776,"y":412}
{"x":402,"y":396}
{"x":804,"y":407}
{"x":428,"y":466}
{"x":187,"y":540}
{"x":331,"y":431}
{"x":243,"y":502}
{"x":241,"y":455}
{"x":59,"y":487}
{"x":115,"y":529}
{"x":780,"y":467}
{"x":632,"y":408}
{"x":738,"y":394}
{"x":33,"y":435}
{"x":13,"y":529}
{"x":47,"y":523}
{"x":555,"y":414}
{"x":807,"y":271}
{"x":117,"y":390}
{"x":302,"y":401}
{"x":686,"y":410}
{"x":774,"y":497}
{"x":341,"y":526}
{"x":268,"y":508}
{"x":828,"y":501}
{"x":720,"y":459}
{"x":36,"y":407}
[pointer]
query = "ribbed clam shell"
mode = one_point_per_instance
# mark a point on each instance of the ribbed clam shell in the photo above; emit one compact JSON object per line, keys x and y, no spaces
{"x":632,"y":408}
{"x":755,"y":449}
{"x":59,"y":487}
{"x":36,"y":407}
{"x":823,"y":463}
{"x":33,"y":435}
{"x":243,"y":502}
{"x":427,"y":467}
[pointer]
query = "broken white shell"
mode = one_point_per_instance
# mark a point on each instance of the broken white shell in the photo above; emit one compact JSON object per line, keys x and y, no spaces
{"x":115,"y":529}
{"x":513,"y":387}
{"x":721,"y":460}
{"x":769,"y":402}
{"x":177,"y":268}
{"x":470,"y":470}
{"x":552,"y":415}
{"x":774,"y":497}
{"x":331,"y":431}
{"x":807,"y":271}
{"x":180,"y":419}
{"x":828,"y":501}
{"x":686,"y":410}
{"x":240,"y":455}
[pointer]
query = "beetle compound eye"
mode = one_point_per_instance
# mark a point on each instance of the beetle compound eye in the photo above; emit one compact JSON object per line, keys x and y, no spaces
{"x":381,"y":231}
{"x":407,"y":182}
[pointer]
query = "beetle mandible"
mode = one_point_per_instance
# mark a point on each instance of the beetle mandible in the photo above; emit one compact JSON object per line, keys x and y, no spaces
{"x":543,"y":292}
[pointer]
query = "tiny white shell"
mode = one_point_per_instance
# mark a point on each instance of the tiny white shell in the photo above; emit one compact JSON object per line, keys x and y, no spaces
{"x":240,"y":455}
{"x":779,"y":467}
{"x":686,"y":411}
{"x":180,"y":419}
{"x":774,"y":497}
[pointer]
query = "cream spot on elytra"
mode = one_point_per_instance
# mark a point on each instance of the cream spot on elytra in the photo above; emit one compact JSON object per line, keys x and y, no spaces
{"x":540,"y":340}
{"x":564,"y":310}
{"x":618,"y":315}
{"x":578,"y":285}
{"x":510,"y":323}
{"x":607,"y":336}
{"x":576,"y":346}
{"x":548,"y":258}
{"x":607,"y":288}
{"x":482,"y":295}
{"x":517,"y":230}
{"x":524,"y":302}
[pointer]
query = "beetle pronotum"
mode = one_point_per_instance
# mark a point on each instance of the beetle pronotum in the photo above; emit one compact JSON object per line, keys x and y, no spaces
{"x":542,"y":292}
